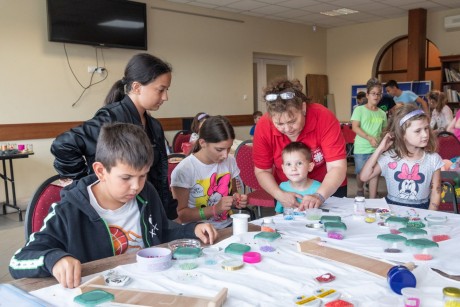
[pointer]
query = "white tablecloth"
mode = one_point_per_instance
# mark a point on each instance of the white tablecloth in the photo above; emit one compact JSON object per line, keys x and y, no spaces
{"x":286,"y":273}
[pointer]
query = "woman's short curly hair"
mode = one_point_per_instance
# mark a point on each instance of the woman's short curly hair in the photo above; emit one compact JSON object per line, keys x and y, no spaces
{"x":282,"y":85}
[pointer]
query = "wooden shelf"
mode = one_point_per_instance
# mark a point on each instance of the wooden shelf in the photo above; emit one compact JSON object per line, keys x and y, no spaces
{"x":450,"y":69}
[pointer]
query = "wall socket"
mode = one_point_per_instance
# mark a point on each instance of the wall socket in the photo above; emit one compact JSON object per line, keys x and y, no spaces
{"x":92,"y":69}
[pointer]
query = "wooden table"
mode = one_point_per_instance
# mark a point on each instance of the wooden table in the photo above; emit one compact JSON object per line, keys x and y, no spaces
{"x":89,"y":268}
{"x":10,"y":179}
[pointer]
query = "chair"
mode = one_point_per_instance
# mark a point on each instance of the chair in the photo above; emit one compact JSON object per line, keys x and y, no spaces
{"x":448,"y":145}
{"x":180,"y":137}
{"x":173,"y":161}
{"x":448,"y":148}
{"x":38,"y":208}
{"x":349,"y":136}
{"x":256,"y":195}
{"x":449,"y":201}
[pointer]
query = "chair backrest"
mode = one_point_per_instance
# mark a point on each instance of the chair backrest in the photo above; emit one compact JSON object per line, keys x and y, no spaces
{"x":38,"y":208}
{"x":245,"y":162}
{"x":173,"y":161}
{"x":180,"y":137}
{"x":448,"y":145}
{"x":348,"y":133}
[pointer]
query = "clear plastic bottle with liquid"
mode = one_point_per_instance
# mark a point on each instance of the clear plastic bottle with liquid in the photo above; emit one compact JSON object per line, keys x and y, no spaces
{"x":359,"y":205}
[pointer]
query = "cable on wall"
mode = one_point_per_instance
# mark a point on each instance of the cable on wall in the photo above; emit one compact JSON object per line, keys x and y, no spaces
{"x":103,"y":69}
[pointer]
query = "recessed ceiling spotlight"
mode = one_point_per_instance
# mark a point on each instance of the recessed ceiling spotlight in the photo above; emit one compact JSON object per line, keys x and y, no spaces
{"x":339,"y":12}
{"x":313,"y":28}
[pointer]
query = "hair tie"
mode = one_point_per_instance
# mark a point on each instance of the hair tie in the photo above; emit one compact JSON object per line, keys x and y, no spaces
{"x":409,"y":116}
{"x":201,"y":116}
{"x":123,"y":81}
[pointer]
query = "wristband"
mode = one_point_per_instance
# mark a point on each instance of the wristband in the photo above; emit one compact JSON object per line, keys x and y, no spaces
{"x":321,"y":197}
{"x":202,"y":215}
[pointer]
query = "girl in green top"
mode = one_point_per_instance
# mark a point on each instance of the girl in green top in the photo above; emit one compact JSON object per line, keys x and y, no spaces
{"x":367,"y":122}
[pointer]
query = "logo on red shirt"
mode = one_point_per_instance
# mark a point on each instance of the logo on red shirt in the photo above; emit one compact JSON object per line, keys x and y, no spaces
{"x":318,"y":157}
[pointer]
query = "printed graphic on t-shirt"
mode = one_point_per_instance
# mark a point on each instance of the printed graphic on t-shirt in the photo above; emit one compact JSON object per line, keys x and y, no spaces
{"x":409,"y":180}
{"x":317,"y":156}
{"x":209,"y":191}
{"x":125,"y":240}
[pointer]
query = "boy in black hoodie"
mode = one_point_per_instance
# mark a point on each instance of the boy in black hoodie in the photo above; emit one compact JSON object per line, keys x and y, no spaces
{"x":109,"y":213}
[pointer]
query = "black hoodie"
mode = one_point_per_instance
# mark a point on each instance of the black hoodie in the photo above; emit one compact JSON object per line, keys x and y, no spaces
{"x":74,"y":228}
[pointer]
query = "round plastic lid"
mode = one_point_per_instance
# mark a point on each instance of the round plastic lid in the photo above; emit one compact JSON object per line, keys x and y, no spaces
{"x":251,"y":257}
{"x":400,"y":277}
{"x":391,"y":238}
{"x":413,"y":231}
{"x":421,"y":243}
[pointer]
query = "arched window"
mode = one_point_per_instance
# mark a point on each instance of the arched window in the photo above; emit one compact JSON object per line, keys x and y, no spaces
{"x":391,"y":62}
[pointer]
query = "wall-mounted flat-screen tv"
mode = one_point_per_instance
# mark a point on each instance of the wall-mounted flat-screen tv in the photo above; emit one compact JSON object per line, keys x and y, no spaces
{"x":102,"y":23}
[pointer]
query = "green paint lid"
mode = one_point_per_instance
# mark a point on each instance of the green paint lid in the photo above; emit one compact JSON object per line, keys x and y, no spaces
{"x":389,"y":237}
{"x":412,"y":231}
{"x":335,"y":225}
{"x":185,"y":252}
{"x":421,"y":243}
{"x":330,"y":218}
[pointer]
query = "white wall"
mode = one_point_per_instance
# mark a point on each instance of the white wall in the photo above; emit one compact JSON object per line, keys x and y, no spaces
{"x":351,"y":51}
{"x":211,"y":59}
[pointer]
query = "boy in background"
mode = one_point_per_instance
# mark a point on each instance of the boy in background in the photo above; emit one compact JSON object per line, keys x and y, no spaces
{"x":404,"y":97}
{"x":256,"y":115}
{"x":110,"y":212}
{"x":296,"y":165}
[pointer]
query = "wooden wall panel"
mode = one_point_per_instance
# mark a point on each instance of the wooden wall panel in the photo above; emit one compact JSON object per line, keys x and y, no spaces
{"x":31,"y":131}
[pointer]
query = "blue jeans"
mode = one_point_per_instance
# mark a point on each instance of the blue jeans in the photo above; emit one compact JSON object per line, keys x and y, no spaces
{"x":360,"y":160}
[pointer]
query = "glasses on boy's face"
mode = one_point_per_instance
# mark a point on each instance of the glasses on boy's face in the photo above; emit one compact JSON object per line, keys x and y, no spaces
{"x":376,"y":94}
{"x":284,"y":96}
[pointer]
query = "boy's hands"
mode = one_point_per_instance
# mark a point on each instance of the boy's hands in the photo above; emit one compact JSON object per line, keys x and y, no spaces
{"x":206,"y":233}
{"x":67,"y":271}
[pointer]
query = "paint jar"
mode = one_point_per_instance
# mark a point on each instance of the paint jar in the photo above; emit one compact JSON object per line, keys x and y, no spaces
{"x":413,"y":233}
{"x":335,"y":230}
{"x":359,"y":205}
{"x":423,"y":249}
{"x":313,"y":214}
{"x":451,"y":297}
{"x":21,"y":147}
{"x":439,"y":233}
{"x":267,"y":241}
{"x":30,"y":147}
{"x":210,"y":255}
{"x":187,"y":257}
{"x":268,"y":225}
{"x":288,"y":213}
{"x":396,"y":222}
{"x":371,"y":216}
{"x":392,"y":243}
{"x":412,"y":297}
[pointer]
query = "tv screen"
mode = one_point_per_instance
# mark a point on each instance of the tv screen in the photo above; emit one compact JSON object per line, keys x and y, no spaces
{"x":103,"y":23}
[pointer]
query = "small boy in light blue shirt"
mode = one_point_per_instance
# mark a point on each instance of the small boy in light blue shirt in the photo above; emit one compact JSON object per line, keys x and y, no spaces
{"x":296,"y":165}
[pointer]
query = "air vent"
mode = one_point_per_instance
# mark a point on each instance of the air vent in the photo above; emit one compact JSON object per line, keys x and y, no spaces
{"x":452,"y":23}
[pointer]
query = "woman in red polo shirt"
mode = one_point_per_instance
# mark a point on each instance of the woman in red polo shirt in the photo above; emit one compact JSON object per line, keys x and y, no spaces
{"x":292,"y":117}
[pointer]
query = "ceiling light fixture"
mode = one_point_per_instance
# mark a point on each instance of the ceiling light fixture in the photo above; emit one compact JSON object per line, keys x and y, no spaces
{"x":314,"y":28}
{"x":339,"y":12}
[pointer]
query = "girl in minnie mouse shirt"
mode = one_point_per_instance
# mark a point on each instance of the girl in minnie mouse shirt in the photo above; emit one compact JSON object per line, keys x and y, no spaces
{"x":204,"y":183}
{"x":407,"y":158}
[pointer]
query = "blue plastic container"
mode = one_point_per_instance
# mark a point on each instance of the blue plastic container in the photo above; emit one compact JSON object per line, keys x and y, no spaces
{"x":399,"y":277}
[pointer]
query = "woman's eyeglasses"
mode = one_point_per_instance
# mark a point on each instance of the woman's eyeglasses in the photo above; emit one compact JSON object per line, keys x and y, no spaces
{"x":376,"y":94}
{"x":284,"y":96}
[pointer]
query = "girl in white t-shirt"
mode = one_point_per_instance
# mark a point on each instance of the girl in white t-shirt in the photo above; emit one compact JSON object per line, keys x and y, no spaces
{"x":441,"y":115}
{"x":204,"y":183}
{"x":407,"y":158}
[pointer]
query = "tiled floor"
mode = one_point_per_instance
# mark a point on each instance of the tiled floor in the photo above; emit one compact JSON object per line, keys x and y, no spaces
{"x":12,"y":231}
{"x":11,"y":239}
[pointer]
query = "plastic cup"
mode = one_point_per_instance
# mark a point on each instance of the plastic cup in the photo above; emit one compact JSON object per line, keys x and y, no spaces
{"x":240,"y":223}
{"x":411,"y":297}
{"x":210,"y":255}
